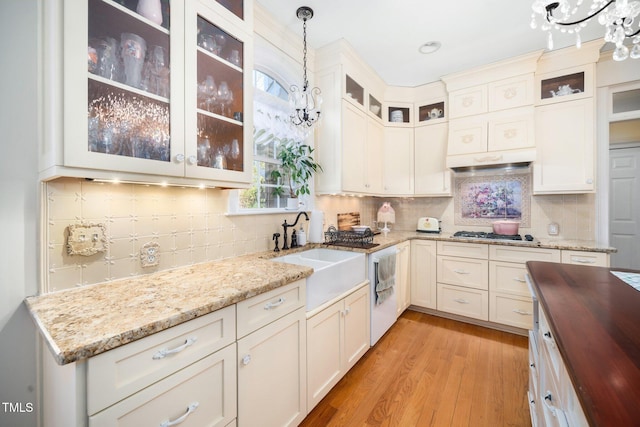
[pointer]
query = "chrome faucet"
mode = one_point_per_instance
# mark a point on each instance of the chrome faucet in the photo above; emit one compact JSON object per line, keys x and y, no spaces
{"x":285,"y":244}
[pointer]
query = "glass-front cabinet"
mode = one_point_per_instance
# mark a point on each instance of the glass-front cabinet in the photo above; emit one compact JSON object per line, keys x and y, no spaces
{"x":157,"y":88}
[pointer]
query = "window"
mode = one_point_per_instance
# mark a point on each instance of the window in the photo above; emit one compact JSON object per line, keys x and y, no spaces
{"x":271,"y":131}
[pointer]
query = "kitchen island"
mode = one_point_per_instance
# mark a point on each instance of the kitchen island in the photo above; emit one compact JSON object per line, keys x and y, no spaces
{"x":594,"y":318}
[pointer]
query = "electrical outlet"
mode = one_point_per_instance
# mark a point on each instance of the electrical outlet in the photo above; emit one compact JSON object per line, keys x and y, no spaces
{"x":553,"y":229}
{"x":150,"y":254}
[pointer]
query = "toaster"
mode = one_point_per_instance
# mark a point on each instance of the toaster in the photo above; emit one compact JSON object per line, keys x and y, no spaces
{"x":428,"y":224}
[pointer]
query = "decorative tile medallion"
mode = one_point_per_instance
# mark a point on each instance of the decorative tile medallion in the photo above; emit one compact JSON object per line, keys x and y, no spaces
{"x":480,"y":200}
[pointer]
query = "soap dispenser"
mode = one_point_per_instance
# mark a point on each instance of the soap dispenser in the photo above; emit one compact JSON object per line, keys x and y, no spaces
{"x":302,"y":237}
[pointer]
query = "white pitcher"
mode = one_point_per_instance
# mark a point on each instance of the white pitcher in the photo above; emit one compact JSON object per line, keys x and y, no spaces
{"x":150,"y":9}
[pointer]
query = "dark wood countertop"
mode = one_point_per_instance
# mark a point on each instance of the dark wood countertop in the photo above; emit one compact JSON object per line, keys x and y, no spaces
{"x":595,"y":318}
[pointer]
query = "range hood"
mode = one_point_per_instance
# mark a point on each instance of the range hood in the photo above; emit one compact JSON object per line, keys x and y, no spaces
{"x":491,"y":159}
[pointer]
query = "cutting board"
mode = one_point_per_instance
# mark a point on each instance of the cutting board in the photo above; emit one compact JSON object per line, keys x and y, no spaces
{"x":347,"y":220}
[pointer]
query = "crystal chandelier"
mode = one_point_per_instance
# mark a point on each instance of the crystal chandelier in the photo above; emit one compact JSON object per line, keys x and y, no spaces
{"x":619,"y":17}
{"x":305,"y":103}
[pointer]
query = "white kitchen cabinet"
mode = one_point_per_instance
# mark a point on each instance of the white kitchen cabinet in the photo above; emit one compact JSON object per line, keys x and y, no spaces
{"x":462,"y":279}
{"x":598,"y":259}
{"x":509,"y":297}
{"x":423,"y":273}
{"x":362,"y":141}
{"x":144,"y":120}
{"x":272,"y":373}
{"x":468,"y":101}
{"x":432,"y":177}
{"x":272,"y":357}
{"x":468,"y":302}
{"x":489,"y":135}
{"x":119,"y":373}
{"x":349,"y":141}
{"x":565,"y":134}
{"x":403,"y":276}
{"x":556,"y":400}
{"x":160,"y":377}
{"x":397,"y":161}
{"x":202,"y":394}
{"x":337,"y":337}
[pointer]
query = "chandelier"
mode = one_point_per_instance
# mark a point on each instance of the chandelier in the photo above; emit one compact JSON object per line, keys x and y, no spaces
{"x":305,"y":103}
{"x":619,"y":17}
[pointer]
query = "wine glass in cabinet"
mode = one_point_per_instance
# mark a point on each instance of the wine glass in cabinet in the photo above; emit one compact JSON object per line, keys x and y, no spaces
{"x":217,"y":91}
{"x":131,"y":84}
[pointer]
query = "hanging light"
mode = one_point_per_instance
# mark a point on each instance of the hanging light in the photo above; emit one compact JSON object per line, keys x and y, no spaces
{"x":305,"y":103}
{"x":619,"y":17}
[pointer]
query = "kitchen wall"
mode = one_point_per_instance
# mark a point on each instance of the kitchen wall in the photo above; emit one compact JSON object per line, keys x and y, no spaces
{"x":19,"y":267}
{"x":191,"y":225}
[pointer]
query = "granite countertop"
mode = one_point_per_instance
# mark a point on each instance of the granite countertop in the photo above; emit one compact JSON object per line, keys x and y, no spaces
{"x":82,"y":322}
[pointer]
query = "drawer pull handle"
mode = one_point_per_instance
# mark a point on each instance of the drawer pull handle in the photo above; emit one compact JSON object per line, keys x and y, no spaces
{"x":192,"y":407}
{"x":161,"y":354}
{"x":461,"y":300}
{"x":517,"y":279}
{"x":523,"y":312}
{"x":584,"y":261}
{"x":461,"y":272}
{"x":274,"y":304}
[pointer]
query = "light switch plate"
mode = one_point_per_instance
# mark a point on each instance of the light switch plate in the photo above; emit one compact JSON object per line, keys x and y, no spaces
{"x":86,"y":239}
{"x":553,"y":229}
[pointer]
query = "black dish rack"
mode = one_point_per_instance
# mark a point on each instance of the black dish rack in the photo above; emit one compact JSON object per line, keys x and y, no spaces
{"x":352,"y":239}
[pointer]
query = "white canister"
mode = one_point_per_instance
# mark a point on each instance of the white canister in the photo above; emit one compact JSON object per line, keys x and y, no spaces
{"x":302,"y":237}
{"x":315,"y":227}
{"x":397,"y":116}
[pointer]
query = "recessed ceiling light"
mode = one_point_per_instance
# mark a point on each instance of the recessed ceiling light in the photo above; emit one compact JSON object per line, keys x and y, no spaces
{"x":429,"y":47}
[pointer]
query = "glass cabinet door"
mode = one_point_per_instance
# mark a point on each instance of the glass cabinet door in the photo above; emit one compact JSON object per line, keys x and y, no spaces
{"x":128,"y":83}
{"x":122,"y":85}
{"x":216,"y":95}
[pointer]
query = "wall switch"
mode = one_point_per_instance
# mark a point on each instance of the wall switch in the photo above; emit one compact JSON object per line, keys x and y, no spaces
{"x":553,"y":229}
{"x":150,"y":254}
{"x":86,"y":239}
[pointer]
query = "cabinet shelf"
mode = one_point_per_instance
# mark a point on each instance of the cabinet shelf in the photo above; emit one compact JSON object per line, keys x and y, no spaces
{"x":126,"y":88}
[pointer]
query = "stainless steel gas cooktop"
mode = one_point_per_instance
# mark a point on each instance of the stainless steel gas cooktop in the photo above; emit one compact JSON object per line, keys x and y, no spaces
{"x":492,"y":236}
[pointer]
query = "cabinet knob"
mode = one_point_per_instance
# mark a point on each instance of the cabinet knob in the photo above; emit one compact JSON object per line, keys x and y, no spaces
{"x":192,"y":160}
{"x":246,"y":359}
{"x":179,"y":158}
{"x":589,"y":181}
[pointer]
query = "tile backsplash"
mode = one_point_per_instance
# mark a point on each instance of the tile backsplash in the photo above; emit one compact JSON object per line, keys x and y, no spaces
{"x":190,"y":225}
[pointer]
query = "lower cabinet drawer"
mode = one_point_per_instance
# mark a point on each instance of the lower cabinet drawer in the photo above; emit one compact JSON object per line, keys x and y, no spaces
{"x":598,"y":259}
{"x":508,"y":277}
{"x":202,"y":394}
{"x":260,"y":310}
{"x":468,"y":272}
{"x":121,"y":372}
{"x":511,"y":310}
{"x":463,"y":301}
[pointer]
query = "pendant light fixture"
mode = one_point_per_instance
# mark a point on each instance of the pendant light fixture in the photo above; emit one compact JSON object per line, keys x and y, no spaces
{"x":619,"y":17}
{"x":305,"y":103}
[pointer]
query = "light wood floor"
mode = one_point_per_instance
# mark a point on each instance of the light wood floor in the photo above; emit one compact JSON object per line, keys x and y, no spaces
{"x":430,"y":371}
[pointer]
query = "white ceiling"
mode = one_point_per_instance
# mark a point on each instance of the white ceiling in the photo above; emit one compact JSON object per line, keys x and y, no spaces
{"x":386,"y":34}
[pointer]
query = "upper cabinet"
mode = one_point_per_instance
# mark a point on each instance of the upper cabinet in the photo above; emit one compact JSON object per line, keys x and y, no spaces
{"x":565,"y":121}
{"x":154,"y":91}
{"x":349,"y":140}
{"x":491,"y":117}
{"x":431,"y":176}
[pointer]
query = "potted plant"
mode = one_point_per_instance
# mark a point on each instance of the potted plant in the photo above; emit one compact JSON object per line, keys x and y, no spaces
{"x":297,"y":167}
